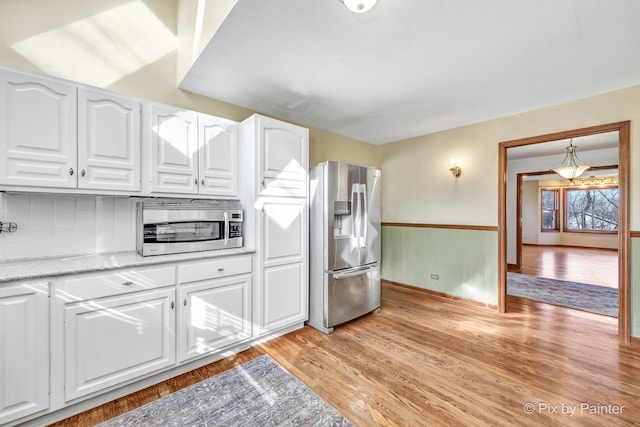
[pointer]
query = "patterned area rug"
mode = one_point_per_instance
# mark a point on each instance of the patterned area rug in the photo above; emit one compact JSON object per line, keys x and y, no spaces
{"x":596,"y":299}
{"x":258,"y":393}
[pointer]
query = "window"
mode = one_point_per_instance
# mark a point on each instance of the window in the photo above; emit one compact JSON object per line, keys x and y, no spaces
{"x":550,"y":204}
{"x":592,"y":209}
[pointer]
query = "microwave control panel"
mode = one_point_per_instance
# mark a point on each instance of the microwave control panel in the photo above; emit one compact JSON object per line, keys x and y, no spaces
{"x":235,"y":229}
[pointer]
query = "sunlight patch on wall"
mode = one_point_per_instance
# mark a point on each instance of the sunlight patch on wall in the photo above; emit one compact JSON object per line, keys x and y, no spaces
{"x":103,"y":48}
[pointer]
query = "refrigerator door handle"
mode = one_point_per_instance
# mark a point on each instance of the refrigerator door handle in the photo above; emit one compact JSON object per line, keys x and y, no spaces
{"x":355,"y":271}
{"x":355,"y":206}
{"x":365,"y":222}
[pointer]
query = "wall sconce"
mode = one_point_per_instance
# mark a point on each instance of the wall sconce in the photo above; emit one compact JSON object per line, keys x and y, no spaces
{"x":454,"y":168}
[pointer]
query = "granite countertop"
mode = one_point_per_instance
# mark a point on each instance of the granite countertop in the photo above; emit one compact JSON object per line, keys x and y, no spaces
{"x":33,"y":268}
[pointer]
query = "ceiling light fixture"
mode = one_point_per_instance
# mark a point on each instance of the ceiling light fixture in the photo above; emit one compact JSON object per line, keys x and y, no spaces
{"x":571,"y":166}
{"x":359,"y":6}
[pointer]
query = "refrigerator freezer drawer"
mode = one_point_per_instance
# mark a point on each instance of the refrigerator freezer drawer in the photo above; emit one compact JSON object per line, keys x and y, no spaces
{"x":351,"y":294}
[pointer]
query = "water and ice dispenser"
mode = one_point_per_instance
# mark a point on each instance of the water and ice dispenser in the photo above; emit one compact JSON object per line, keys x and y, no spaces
{"x":342,"y":219}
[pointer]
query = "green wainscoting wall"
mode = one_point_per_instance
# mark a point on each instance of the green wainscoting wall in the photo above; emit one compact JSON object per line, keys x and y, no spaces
{"x":634,"y":281}
{"x":465,"y":260}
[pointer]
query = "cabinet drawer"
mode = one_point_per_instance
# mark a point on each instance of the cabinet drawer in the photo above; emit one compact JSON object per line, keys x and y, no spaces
{"x":212,"y":269}
{"x":118,"y":282}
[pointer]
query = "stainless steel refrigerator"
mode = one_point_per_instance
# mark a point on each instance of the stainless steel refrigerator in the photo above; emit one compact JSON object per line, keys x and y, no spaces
{"x":344,"y":241}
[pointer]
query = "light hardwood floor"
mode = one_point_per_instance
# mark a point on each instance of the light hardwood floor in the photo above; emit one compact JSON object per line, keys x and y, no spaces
{"x":585,"y":265}
{"x":429,"y":361}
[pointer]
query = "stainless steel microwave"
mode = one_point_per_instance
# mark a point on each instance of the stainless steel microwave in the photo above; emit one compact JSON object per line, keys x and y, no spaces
{"x":187,"y":227}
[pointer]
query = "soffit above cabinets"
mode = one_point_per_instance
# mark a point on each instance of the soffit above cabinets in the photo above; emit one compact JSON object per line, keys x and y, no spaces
{"x":414,"y":67}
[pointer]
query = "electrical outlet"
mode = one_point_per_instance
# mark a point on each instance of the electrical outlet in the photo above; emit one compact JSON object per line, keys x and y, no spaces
{"x":435,"y":277}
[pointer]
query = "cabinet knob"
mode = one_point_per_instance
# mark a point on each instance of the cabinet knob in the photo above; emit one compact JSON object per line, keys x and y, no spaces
{"x":262,"y":182}
{"x":127,"y":283}
{"x":202,"y":182}
{"x":82,"y":172}
{"x":184,"y":302}
{"x":220,"y":270}
{"x":172,"y":304}
{"x":71,"y":171}
{"x":196,"y":181}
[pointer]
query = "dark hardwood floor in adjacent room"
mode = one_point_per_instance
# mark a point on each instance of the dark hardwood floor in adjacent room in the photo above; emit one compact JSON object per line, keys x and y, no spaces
{"x":585,"y":265}
{"x":428,"y":361}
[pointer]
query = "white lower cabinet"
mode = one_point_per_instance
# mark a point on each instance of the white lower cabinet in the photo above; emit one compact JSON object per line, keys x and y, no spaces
{"x":110,"y":341}
{"x":283,"y":290}
{"x":215,"y":305}
{"x":117,"y":327}
{"x":214,"y":315}
{"x":284,"y":300}
{"x":102,"y":333}
{"x":24,"y":350}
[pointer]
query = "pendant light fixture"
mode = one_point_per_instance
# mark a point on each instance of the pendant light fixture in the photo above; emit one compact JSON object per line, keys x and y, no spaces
{"x":571,"y":166}
{"x":359,"y":6}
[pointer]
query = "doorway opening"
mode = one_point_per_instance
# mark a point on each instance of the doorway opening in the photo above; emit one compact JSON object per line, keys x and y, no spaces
{"x":623,"y":129}
{"x":566,"y":232}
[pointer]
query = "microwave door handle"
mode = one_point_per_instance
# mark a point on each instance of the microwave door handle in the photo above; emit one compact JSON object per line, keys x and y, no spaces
{"x":226,"y":228}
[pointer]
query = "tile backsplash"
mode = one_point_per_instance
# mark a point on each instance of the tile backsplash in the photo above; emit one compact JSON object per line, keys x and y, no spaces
{"x":52,"y":225}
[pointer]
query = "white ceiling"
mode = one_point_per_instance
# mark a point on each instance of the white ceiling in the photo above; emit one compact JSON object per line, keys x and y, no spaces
{"x":413,"y":67}
{"x":595,"y":142}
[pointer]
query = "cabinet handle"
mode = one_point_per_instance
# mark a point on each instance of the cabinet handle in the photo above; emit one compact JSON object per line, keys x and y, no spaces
{"x":202,"y":182}
{"x":262,"y":182}
{"x":185,"y":302}
{"x":196,"y":181}
{"x":172,"y":305}
{"x":127,"y":283}
{"x":71,"y":171}
{"x":82,"y":172}
{"x":220,"y":270}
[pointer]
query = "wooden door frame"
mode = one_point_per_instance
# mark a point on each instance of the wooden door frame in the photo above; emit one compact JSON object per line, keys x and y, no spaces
{"x":624,"y":235}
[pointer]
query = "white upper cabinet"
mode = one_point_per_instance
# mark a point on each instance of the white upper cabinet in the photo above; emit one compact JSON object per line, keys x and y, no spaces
{"x":283,"y":158}
{"x":60,"y":135}
{"x":192,"y":153}
{"x":174,"y":147}
{"x":38,"y":126}
{"x":57,"y":136}
{"x":108,"y":141}
{"x":218,"y":153}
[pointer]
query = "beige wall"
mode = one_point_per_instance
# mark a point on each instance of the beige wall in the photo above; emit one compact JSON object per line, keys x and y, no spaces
{"x":417,"y":186}
{"x":55,"y":33}
{"x":330,"y":146}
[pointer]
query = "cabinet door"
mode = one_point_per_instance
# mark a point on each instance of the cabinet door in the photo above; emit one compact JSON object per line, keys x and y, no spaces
{"x":284,"y":295}
{"x":283,"y":158}
{"x":24,"y":355}
{"x":213,"y":315}
{"x":108,"y":141}
{"x":217,"y":156}
{"x":38,"y":131}
{"x":111,"y":340}
{"x":284,"y":236}
{"x":174,"y":150}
